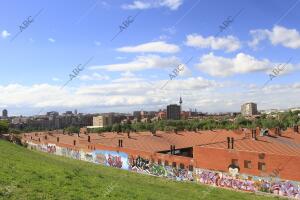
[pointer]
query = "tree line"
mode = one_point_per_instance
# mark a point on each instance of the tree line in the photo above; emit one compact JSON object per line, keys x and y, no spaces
{"x":282,"y":121}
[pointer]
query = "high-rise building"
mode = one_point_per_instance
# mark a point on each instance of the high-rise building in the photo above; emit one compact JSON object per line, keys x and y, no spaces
{"x":173,"y":112}
{"x":4,"y":113}
{"x":103,"y":120}
{"x":137,"y":114}
{"x":249,"y":109}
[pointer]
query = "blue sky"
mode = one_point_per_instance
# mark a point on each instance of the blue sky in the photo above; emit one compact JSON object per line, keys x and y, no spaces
{"x":127,"y":73}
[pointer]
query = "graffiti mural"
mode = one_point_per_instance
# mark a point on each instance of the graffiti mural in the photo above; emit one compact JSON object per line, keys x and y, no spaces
{"x":282,"y":188}
{"x":233,"y":179}
{"x":51,"y":148}
{"x":115,"y":161}
{"x":144,"y":166}
{"x":111,"y":158}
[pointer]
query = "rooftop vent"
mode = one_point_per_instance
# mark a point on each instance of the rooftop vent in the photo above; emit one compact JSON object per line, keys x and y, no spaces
{"x":296,"y":129}
{"x":277,"y":131}
{"x":120,"y":143}
{"x":153,"y":132}
{"x":264,"y":132}
{"x":253,"y":134}
{"x":57,"y":139}
{"x":172,"y":149}
{"x":228,"y":142}
{"x":89,"y":138}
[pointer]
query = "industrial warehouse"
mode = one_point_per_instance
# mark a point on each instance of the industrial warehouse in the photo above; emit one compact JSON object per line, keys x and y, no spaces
{"x":250,"y":160}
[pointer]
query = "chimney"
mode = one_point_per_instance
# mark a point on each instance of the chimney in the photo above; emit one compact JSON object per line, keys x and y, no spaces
{"x":57,"y":139}
{"x":46,"y":137}
{"x":31,"y":137}
{"x":254,"y":134}
{"x":128,"y":134}
{"x":74,"y":142}
{"x":78,"y":134}
{"x":277,"y":131}
{"x":39,"y":139}
{"x":232,"y":142}
{"x":171,"y":149}
{"x":153,"y":132}
{"x":89,"y":138}
{"x":228,"y":142}
{"x":296,"y":129}
{"x":120,"y":143}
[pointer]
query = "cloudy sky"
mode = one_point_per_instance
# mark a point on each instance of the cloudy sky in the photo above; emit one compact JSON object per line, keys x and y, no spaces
{"x":98,"y":56}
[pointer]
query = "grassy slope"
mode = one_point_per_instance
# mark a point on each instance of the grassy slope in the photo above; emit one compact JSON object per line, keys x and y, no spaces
{"x":26,"y":174}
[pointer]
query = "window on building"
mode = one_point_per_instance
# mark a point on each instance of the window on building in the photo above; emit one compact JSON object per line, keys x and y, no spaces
{"x":174,"y":164}
{"x":166,"y":163}
{"x":261,"y":166}
{"x":159,"y":161}
{"x":181,"y":166}
{"x":235,"y":162}
{"x":191,"y":168}
{"x":247,"y":164}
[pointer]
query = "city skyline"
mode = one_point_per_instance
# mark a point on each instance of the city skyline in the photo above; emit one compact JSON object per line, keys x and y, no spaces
{"x":116,"y":56}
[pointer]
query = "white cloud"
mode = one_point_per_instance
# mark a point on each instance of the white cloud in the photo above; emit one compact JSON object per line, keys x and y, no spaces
{"x":279,"y":35}
{"x":97,"y":43}
{"x":229,"y":43}
{"x":142,"y":63}
{"x":240,"y":64}
{"x":51,"y":40}
{"x":151,"y":47}
{"x":56,"y":79}
{"x":170,"y":30}
{"x":197,"y":93}
{"x":94,"y":77}
{"x":142,"y":4}
{"x":105,"y":4}
{"x":120,"y":57}
{"x":5,"y":34}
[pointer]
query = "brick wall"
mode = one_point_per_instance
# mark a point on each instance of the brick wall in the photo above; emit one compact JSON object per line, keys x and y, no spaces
{"x":288,"y":167}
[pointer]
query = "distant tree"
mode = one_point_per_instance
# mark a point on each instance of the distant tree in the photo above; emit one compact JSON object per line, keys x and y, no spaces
{"x":116,"y":128}
{"x":4,"y":126}
{"x":72,"y":129}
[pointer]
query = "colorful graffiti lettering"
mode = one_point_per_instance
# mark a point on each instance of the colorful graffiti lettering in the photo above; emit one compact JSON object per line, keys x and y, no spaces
{"x":101,"y":159}
{"x":111,"y":158}
{"x":142,"y":165}
{"x":51,"y":148}
{"x":114,"y":161}
{"x":282,"y":188}
{"x":242,"y":182}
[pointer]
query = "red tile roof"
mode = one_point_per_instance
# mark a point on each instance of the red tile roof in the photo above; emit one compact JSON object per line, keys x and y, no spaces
{"x":287,"y":144}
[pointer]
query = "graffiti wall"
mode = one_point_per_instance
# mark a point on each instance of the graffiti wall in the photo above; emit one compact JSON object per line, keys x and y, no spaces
{"x":111,"y":158}
{"x":145,"y":166}
{"x":248,"y":183}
